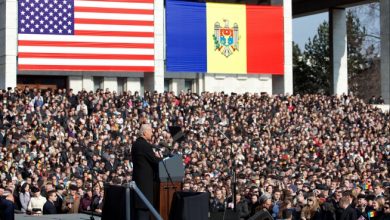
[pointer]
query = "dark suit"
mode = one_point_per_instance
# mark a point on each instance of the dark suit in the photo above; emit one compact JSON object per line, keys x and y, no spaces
{"x":145,"y":165}
{"x":348,"y":214}
{"x":262,"y":215}
{"x":111,"y":167}
{"x":1,"y":138}
{"x":242,"y":209}
{"x":7,"y":209}
{"x":49,"y":208}
{"x":58,"y":203}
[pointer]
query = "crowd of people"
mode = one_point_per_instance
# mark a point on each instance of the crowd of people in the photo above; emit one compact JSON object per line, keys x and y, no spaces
{"x":295,"y":157}
{"x":378,"y":101}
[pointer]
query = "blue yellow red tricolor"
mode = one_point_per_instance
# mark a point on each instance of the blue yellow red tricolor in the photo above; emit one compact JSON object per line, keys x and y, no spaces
{"x":224,"y":38}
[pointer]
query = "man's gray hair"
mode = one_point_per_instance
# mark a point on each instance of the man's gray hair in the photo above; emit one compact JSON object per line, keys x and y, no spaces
{"x":143,"y":128}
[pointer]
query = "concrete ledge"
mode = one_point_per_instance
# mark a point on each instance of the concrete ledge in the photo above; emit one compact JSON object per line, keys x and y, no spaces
{"x":384,"y":108}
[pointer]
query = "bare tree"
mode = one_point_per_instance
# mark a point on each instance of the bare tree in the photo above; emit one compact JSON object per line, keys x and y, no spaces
{"x":369,"y":15}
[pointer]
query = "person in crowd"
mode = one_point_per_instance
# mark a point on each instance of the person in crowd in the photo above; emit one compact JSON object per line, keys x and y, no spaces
{"x":347,"y":211}
{"x":253,"y":204}
{"x":98,"y":201}
{"x":86,"y":201}
{"x":71,"y":202}
{"x":263,"y":211}
{"x":311,"y":211}
{"x":361,"y":206}
{"x":7,"y":206}
{"x":377,"y":212}
{"x":37,"y":201}
{"x":285,"y":205}
{"x":218,"y":203}
{"x":50,"y":207}
{"x":24,"y":196}
{"x":60,"y":198}
{"x":386,"y":211}
{"x":286,"y":214}
{"x":242,"y":207}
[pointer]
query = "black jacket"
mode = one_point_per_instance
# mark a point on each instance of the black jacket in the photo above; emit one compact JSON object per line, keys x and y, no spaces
{"x":262,"y":215}
{"x":49,"y":208}
{"x":58,"y":203}
{"x":7,"y":209}
{"x":380,"y":216}
{"x":243,"y":210}
{"x":217,"y":206}
{"x":145,"y":170}
{"x":348,"y":214}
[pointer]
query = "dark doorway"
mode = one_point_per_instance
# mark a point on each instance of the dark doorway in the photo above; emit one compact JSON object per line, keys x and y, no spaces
{"x":42,"y":82}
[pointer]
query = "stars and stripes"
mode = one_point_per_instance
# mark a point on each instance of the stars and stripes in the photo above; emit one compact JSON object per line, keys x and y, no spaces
{"x":86,"y":35}
{"x":46,"y":17}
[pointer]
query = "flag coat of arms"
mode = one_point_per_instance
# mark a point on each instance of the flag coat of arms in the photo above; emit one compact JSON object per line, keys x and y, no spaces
{"x":224,"y":38}
{"x":86,"y":35}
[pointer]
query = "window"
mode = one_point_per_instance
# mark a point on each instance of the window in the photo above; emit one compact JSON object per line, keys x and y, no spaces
{"x":188,"y":84}
{"x":167,"y":84}
{"x":121,"y":84}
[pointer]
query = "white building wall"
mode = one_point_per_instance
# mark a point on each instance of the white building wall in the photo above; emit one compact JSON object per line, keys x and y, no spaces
{"x":75,"y":83}
{"x":133,"y":85}
{"x":110,"y":83}
{"x":238,"y":83}
{"x":87,"y":82}
{"x":8,"y":46}
{"x":177,"y":85}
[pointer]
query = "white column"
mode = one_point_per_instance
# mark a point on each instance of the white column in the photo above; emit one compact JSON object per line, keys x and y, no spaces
{"x":75,"y":83}
{"x":8,"y":46}
{"x":157,"y":79}
{"x":288,"y":55}
{"x":199,"y":83}
{"x":88,"y":83}
{"x":177,"y":85}
{"x":338,"y":45}
{"x":385,"y":50}
{"x":133,"y":84}
{"x":110,"y":83}
{"x":266,"y":84}
{"x":180,"y":84}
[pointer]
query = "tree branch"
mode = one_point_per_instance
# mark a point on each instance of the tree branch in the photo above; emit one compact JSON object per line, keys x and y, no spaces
{"x":373,"y":36}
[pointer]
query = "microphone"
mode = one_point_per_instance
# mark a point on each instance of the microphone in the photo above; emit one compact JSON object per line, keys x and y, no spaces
{"x":157,"y":147}
{"x":161,"y":145}
{"x":164,"y":144}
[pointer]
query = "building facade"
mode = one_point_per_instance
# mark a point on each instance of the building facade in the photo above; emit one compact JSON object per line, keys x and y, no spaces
{"x":161,"y":80}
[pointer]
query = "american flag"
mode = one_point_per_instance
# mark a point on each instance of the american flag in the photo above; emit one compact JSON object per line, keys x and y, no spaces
{"x":86,"y":35}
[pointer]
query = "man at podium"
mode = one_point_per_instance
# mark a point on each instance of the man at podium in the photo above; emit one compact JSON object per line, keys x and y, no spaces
{"x":145,"y":169}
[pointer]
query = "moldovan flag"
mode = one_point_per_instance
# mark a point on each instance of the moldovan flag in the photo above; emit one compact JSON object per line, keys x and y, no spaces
{"x":224,"y":38}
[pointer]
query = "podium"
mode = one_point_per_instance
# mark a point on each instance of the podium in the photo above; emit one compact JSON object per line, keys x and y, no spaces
{"x":166,"y":186}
